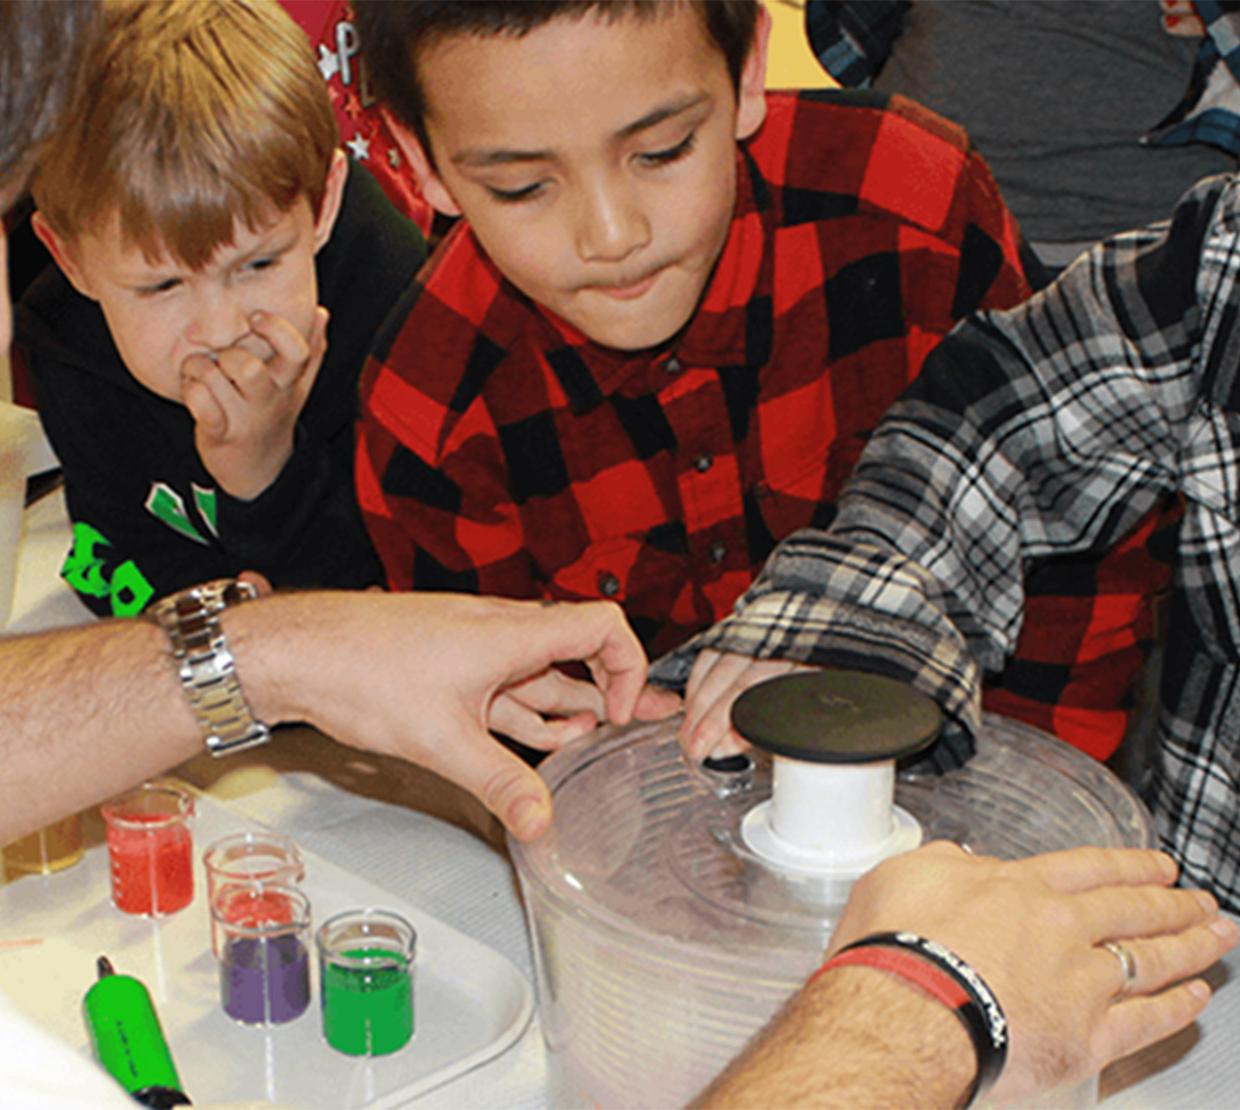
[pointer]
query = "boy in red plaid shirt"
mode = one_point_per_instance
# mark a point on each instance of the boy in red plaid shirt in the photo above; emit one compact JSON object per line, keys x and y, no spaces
{"x":673,"y":311}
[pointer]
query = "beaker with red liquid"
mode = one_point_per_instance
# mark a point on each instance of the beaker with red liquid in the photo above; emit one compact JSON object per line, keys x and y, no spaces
{"x":151,"y":849}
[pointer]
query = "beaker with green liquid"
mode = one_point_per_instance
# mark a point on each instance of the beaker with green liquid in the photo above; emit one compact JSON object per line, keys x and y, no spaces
{"x":366,"y":962}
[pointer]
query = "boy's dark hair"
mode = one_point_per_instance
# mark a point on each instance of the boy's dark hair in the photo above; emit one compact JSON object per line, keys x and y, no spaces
{"x":393,"y":34}
{"x":39,"y":47}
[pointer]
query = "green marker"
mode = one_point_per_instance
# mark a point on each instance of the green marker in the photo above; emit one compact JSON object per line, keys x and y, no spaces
{"x":128,"y":1041}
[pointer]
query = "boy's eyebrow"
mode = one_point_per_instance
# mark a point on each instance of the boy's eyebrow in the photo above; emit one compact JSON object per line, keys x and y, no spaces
{"x":653,"y":119}
{"x":481,"y":158}
{"x":276,"y":241}
{"x":172,"y":267}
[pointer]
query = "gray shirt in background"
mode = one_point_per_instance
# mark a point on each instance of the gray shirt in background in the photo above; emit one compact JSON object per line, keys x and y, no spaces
{"x":1057,"y":94}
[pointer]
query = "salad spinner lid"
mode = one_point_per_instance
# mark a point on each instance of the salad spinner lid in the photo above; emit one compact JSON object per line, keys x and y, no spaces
{"x":836,"y":716}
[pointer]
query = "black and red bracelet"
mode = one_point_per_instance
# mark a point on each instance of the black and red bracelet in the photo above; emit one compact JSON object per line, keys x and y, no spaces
{"x":943,"y":975}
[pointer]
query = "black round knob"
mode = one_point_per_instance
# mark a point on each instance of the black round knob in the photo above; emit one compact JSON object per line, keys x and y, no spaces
{"x":727,"y":764}
{"x":836,"y":716}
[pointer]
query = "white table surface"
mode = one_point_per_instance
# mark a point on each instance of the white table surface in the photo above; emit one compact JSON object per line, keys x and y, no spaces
{"x":365,"y":812}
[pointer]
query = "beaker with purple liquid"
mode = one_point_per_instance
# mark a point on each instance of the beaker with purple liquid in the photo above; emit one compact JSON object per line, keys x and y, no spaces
{"x":264,"y":959}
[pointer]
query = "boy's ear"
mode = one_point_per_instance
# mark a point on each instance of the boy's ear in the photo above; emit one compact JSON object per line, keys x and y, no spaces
{"x":63,"y":253}
{"x":333,"y":194}
{"x":433,"y":189}
{"x":751,"y":93}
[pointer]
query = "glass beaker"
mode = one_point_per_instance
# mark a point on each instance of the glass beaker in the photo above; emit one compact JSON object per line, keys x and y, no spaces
{"x":264,"y":956}
{"x":249,"y":858}
{"x":366,"y":980}
{"x":52,"y":848}
{"x":150,"y":848}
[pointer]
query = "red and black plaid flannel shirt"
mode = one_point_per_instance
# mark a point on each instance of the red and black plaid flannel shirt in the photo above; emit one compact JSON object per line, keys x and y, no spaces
{"x":501,"y":452}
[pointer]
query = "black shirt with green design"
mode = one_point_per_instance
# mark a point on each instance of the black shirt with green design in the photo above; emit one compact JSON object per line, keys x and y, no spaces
{"x":147,"y":517}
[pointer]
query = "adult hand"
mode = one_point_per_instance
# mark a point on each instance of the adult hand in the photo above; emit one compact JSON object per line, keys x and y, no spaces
{"x":245,"y":407}
{"x":1033,"y":929}
{"x":420,"y":676}
{"x":716,"y":681}
{"x":550,"y":709}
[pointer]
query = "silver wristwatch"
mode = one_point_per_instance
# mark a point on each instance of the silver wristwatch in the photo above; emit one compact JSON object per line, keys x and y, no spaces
{"x":206,"y":667}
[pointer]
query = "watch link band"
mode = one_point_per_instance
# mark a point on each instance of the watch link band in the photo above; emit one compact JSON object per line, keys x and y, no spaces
{"x":206,"y":667}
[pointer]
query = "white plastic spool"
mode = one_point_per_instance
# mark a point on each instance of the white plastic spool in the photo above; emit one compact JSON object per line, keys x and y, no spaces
{"x":834,"y":819}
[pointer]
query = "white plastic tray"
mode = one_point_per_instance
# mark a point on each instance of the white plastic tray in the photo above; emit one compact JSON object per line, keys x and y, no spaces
{"x":470,"y":1003}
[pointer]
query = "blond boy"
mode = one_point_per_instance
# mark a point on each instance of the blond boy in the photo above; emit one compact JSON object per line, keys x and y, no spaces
{"x":220,"y":269}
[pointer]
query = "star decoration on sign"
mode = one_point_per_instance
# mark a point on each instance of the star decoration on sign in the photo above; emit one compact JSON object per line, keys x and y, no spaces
{"x":359,"y":146}
{"x":329,"y":62}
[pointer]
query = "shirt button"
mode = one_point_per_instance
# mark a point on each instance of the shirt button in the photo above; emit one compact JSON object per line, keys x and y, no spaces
{"x":672,"y":365}
{"x":717,"y":552}
{"x":608,"y":584}
{"x":703,"y":463}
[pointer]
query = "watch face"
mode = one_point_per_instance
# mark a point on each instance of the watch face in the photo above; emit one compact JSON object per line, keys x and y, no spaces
{"x":234,"y":592}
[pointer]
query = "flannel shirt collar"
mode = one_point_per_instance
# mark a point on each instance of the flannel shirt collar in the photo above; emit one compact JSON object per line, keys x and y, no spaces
{"x":722,"y":329}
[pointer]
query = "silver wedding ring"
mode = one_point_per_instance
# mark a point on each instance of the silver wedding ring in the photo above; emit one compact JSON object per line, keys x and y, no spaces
{"x":1124,"y":955}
